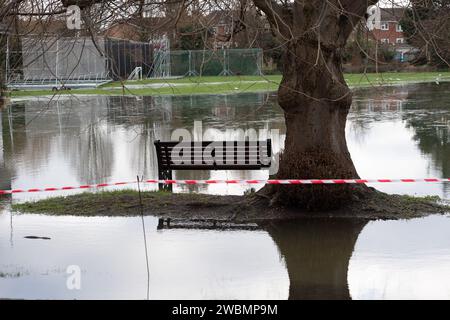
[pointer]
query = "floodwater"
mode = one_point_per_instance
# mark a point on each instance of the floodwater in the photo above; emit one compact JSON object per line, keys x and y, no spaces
{"x":396,"y":132}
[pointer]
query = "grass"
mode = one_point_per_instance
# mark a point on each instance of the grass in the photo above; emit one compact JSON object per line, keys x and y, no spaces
{"x":414,"y":199}
{"x":121,"y":203}
{"x":125,"y":203}
{"x":197,"y":80}
{"x":90,"y":203}
{"x":234,"y":84}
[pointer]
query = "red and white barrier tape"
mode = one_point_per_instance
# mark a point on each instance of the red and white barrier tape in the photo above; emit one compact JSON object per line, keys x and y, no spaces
{"x":49,"y":189}
{"x":296,"y":181}
{"x":242,"y":182}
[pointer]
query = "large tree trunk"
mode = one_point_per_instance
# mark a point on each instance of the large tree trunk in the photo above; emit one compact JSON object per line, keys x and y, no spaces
{"x":315,"y":99}
{"x":316,"y":102}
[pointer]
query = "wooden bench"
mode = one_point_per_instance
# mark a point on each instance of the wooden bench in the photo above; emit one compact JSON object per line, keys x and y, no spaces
{"x":211,"y":155}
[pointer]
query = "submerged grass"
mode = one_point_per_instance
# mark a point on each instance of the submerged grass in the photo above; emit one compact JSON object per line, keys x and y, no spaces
{"x":232,"y":84}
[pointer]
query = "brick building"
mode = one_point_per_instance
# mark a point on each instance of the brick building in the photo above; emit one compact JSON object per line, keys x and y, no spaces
{"x":389,"y":32}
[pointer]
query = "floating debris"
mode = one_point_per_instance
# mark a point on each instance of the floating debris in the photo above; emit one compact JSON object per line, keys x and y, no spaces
{"x":38,"y":238}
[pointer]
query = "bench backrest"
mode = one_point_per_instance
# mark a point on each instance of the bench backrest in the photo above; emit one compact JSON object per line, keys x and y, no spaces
{"x":213,"y":155}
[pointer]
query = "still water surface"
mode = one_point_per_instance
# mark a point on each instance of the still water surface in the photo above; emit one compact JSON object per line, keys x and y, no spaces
{"x":393,"y":132}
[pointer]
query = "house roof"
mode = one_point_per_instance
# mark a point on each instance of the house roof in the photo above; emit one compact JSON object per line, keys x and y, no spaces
{"x":392,"y":14}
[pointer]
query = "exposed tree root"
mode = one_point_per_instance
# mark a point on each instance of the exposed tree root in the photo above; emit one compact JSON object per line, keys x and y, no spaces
{"x":366,"y":203}
{"x":312,"y":163}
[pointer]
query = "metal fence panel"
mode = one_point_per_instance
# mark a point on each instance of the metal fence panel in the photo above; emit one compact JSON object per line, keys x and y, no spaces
{"x":80,"y":59}
{"x":216,"y":62}
{"x":62,"y":59}
{"x":124,"y":56}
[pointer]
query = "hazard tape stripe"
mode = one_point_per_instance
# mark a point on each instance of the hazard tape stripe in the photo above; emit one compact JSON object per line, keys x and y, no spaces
{"x":229,"y":182}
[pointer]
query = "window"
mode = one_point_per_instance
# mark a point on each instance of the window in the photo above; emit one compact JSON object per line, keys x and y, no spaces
{"x":384,"y":40}
{"x":399,"y":40}
{"x":399,"y":28}
{"x":384,"y":26}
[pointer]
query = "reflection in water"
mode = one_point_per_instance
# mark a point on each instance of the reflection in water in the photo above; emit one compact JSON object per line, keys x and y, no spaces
{"x":402,"y":260}
{"x":394,"y":132}
{"x":184,"y":264}
{"x":94,"y":158}
{"x":317,"y":254}
{"x":307,"y":259}
{"x":397,"y":125}
{"x":96,"y":139}
{"x":431,"y":126}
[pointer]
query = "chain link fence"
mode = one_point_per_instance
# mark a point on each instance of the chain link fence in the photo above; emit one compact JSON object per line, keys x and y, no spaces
{"x":81,"y":61}
{"x":216,"y":62}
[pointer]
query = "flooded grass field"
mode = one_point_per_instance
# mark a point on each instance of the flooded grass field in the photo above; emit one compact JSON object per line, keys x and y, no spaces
{"x":393,"y":132}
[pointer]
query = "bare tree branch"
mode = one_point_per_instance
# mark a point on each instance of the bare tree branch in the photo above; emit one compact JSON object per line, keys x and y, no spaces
{"x":276,"y":16}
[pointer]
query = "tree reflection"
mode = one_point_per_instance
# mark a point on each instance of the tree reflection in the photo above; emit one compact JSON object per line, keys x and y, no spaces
{"x":317,"y":253}
{"x":428,"y":115}
{"x":145,"y":119}
{"x":94,"y":158}
{"x":13,"y":141}
{"x":424,"y":108}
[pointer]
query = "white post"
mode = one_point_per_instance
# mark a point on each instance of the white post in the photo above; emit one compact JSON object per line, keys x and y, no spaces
{"x":57,"y":62}
{"x":260,"y":62}
{"x":190,"y":63}
{"x":225,"y":70}
{"x":168,"y":59}
{"x":7,"y":60}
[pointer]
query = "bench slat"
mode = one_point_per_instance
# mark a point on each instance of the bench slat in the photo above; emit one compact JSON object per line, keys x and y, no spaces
{"x":244,"y":150}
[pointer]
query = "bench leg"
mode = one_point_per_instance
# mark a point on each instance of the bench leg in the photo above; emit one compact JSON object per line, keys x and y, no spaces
{"x":160,"y":224}
{"x":165,"y":175}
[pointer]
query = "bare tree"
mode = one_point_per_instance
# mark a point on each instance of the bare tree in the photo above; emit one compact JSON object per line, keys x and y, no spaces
{"x":314,"y":96}
{"x":313,"y":93}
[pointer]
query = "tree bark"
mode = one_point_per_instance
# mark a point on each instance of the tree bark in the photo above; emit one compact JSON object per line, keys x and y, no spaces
{"x":315,"y":100}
